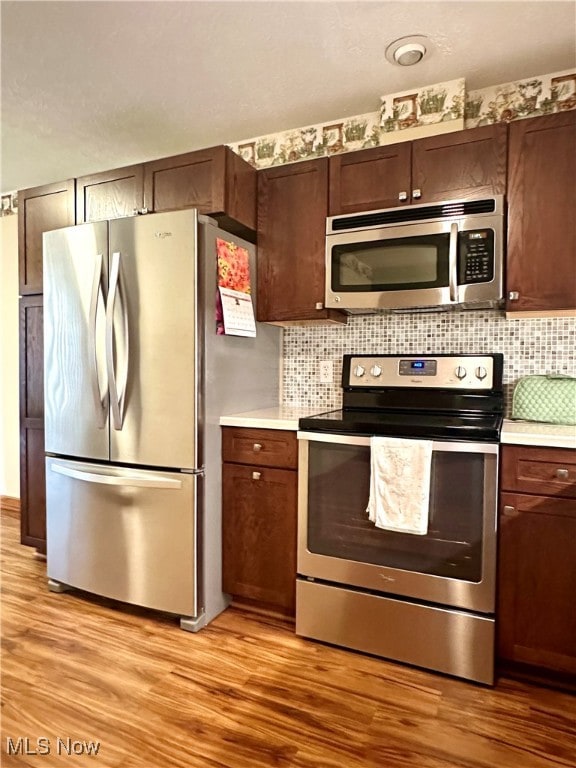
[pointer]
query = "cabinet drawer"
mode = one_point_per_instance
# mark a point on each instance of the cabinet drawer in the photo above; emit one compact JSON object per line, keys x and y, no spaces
{"x":549,"y":471}
{"x":264,"y":447}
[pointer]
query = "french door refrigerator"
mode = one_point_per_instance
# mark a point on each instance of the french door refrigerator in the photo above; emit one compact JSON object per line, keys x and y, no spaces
{"x":136,"y":379}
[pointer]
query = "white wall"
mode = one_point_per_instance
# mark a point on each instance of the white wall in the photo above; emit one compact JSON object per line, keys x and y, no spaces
{"x":9,"y":434}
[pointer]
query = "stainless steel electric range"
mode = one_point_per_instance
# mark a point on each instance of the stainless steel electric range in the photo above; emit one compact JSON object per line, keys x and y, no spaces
{"x":429,"y":599}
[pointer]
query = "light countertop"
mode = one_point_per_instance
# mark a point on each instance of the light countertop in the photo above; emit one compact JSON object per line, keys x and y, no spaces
{"x":513,"y":432}
{"x":538,"y":434}
{"x":277,"y":417}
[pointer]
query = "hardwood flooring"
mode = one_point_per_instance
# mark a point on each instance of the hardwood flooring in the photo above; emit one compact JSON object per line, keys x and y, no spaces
{"x":244,"y":692}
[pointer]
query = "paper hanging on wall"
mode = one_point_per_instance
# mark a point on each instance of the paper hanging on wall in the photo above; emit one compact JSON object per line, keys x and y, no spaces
{"x":234,"y":308}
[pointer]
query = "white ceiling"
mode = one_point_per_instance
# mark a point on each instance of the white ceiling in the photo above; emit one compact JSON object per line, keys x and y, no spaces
{"x":89,"y":86}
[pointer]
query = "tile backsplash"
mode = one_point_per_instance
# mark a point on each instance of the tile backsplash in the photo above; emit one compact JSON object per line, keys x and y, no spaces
{"x":529,"y":346}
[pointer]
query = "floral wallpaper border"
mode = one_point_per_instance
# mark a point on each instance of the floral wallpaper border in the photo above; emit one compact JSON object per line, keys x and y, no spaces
{"x":425,"y":111}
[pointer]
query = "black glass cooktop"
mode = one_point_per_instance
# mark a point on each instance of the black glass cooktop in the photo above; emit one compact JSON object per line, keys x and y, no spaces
{"x":431,"y":426}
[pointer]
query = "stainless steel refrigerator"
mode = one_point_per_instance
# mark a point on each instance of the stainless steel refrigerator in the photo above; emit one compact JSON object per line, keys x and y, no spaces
{"x":136,"y":379}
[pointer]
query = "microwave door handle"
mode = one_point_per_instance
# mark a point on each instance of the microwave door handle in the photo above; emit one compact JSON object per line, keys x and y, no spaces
{"x":453,"y":262}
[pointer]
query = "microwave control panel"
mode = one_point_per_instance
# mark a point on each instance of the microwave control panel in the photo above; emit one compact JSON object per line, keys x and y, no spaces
{"x":475,"y":256}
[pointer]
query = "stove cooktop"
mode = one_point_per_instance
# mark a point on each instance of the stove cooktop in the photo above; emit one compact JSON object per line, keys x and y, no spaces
{"x":437,"y":397}
{"x":430,"y":426}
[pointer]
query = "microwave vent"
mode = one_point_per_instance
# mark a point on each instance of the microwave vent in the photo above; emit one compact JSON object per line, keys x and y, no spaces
{"x":409,"y":214}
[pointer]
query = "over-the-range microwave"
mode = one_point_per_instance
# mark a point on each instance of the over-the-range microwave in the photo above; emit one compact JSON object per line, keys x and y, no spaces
{"x":418,"y":257}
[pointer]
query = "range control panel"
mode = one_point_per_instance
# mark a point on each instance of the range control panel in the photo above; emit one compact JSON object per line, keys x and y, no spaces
{"x":423,"y":371}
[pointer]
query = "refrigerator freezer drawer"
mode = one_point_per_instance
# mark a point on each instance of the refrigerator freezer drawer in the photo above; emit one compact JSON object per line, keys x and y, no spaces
{"x":126,"y":534}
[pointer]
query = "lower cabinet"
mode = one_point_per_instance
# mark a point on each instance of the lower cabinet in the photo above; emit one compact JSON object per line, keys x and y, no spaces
{"x":537,"y":563}
{"x":259,"y":507}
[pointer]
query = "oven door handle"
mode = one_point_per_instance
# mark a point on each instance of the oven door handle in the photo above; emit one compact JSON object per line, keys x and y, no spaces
{"x":444,"y":446}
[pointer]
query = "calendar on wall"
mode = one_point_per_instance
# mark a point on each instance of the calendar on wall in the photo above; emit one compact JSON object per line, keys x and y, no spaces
{"x":234,"y":308}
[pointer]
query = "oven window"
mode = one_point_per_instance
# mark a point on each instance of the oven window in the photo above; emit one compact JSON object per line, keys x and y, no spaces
{"x":338,"y":525}
{"x":391,"y":265}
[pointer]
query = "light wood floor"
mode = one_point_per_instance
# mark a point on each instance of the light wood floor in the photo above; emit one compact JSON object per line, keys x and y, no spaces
{"x":243,"y":692}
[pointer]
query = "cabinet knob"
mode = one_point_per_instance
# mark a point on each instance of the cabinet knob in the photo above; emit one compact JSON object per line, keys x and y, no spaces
{"x":509,"y":511}
{"x":562,"y":474}
{"x":513,"y":295}
{"x":403,"y":196}
{"x":256,"y":475}
{"x":319,"y":305}
{"x":257,"y":447}
{"x":416,"y":194}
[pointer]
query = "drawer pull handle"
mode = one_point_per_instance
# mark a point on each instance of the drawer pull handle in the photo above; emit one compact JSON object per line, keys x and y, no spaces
{"x":256,"y":475}
{"x":509,"y":511}
{"x":562,"y":474}
{"x":256,"y":447}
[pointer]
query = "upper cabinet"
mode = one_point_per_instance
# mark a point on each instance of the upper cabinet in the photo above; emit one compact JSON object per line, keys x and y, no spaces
{"x":216,"y":181}
{"x":110,"y":195}
{"x":541,"y":259}
{"x":292,"y":210}
{"x":370,"y":179}
{"x":40,"y":210}
{"x":451,"y":166}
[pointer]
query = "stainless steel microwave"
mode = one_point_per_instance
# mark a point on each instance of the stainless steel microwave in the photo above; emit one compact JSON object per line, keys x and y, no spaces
{"x":418,"y":257}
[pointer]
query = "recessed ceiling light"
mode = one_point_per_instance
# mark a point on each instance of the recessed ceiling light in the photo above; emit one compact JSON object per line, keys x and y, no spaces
{"x":407,"y":51}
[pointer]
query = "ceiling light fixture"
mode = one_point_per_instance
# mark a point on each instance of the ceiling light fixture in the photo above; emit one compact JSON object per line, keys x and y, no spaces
{"x":407,"y":51}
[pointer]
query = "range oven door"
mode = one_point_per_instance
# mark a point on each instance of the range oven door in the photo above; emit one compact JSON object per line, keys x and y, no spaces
{"x":454,"y":564}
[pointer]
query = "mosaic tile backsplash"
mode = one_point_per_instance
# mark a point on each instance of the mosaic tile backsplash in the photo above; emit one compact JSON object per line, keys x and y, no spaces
{"x":529,"y":346}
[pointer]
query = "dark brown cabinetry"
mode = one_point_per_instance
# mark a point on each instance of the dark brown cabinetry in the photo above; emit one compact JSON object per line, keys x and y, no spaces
{"x":40,"y":210}
{"x":259,"y":507}
{"x":110,"y":195}
{"x":541,"y":259}
{"x":452,"y":166}
{"x":216,"y":181}
{"x":292,"y":210}
{"x":32,"y":486}
{"x":537,"y":567}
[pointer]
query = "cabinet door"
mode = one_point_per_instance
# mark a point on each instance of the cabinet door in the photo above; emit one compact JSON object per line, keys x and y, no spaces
{"x":292,"y":209}
{"x":460,"y":165}
{"x":259,"y":534}
{"x":537,"y":582}
{"x":370,"y":179}
{"x":32,"y":472}
{"x":541,"y":260}
{"x":40,"y":210}
{"x":110,"y":195}
{"x":215,"y":181}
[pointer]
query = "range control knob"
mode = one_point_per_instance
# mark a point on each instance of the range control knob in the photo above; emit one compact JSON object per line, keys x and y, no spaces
{"x":481,"y":372}
{"x":376,"y":370}
{"x":460,"y":372}
{"x":359,"y":371}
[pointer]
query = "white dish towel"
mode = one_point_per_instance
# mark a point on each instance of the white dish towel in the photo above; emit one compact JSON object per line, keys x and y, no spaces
{"x":400,"y":484}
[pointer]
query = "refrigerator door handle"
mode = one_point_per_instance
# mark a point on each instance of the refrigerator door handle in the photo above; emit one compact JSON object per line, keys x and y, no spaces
{"x":100,"y":400}
{"x":153,"y":481}
{"x":117,"y":392}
